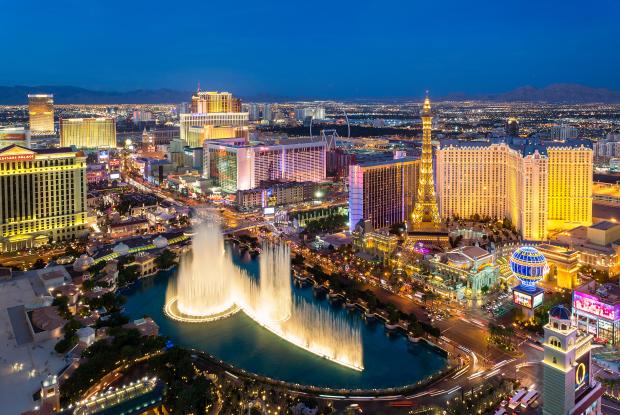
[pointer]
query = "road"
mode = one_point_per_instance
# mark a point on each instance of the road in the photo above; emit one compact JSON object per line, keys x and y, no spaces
{"x":610,"y":407}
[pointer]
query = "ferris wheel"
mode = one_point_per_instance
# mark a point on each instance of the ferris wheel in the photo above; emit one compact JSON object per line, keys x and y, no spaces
{"x":330,"y":135}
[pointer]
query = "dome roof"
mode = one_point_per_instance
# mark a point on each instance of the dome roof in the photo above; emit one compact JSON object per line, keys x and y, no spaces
{"x":121,"y":249}
{"x":160,"y":242}
{"x":560,"y":312}
{"x":83,"y":263}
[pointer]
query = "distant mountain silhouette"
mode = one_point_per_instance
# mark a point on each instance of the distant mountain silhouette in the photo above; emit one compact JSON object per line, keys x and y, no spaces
{"x":555,"y":93}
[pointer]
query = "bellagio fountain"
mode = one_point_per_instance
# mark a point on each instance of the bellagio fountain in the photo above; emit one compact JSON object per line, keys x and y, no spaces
{"x":210,"y":287}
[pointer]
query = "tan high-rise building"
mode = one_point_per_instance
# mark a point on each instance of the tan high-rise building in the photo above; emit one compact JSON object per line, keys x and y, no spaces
{"x":570,"y":186}
{"x":214,"y":109}
{"x":88,"y":132}
{"x":42,"y":196}
{"x":532,"y":184}
{"x":196,"y":136}
{"x":41,"y":114}
{"x":204,"y":102}
{"x":383,"y":192}
{"x":228,"y":119}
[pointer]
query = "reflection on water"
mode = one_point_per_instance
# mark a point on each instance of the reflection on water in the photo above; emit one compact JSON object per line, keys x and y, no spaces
{"x":388,"y":361}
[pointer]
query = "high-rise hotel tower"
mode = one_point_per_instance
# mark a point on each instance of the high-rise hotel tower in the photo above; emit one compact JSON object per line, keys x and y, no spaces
{"x":216,"y":109}
{"x":42,"y":196}
{"x":88,"y":132}
{"x":41,"y":114}
{"x":205,"y":102}
{"x":538,"y":186}
{"x":425,"y":211}
{"x":382,"y":192}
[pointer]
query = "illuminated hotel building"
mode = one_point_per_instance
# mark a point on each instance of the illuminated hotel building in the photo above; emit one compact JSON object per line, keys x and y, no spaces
{"x":88,"y":132}
{"x":219,"y":119}
{"x":241,"y":167}
{"x":204,"y":102}
{"x":42,"y":196}
{"x":382,"y":192}
{"x":570,"y":185}
{"x":216,"y":109}
{"x":41,"y":114}
{"x":538,"y":187}
{"x":196,"y":136}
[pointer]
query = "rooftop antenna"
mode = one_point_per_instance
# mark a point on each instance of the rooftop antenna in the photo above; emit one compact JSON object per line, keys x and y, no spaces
{"x":198,"y":86}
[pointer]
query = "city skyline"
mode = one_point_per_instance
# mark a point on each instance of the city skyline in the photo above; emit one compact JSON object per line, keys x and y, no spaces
{"x":470,"y":48}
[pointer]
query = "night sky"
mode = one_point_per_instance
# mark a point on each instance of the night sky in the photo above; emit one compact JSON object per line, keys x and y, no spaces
{"x":314,"y":48}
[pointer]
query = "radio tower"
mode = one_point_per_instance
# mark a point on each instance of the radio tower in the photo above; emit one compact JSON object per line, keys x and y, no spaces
{"x":425,"y":211}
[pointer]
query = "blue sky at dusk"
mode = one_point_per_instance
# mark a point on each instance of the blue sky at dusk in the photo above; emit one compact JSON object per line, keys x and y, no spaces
{"x":313,"y":48}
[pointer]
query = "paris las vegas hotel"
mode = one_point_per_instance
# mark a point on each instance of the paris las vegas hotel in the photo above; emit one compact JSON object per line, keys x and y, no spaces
{"x":540,"y":187}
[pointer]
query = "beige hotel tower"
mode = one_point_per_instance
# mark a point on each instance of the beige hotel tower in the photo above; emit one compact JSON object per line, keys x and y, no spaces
{"x":540,"y":187}
{"x":41,"y":114}
{"x":88,"y":132}
{"x":42,"y":196}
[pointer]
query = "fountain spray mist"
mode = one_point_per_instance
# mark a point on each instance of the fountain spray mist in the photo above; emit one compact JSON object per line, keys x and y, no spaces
{"x":209,"y":287}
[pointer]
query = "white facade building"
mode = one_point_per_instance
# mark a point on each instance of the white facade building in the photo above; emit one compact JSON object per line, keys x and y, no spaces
{"x":241,"y":167}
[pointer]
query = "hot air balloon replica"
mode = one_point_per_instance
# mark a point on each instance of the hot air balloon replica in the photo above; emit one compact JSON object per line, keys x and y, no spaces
{"x":529,"y":266}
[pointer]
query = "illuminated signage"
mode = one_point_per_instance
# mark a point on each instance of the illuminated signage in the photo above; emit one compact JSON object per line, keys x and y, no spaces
{"x":582,"y":371}
{"x":17,"y":157}
{"x":12,"y":136}
{"x":269,"y":211}
{"x":530,"y":300}
{"x":522,"y":299}
{"x":538,"y":299}
{"x":592,"y":305}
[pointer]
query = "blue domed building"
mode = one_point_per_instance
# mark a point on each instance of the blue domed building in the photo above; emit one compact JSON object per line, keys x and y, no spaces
{"x":529,"y":266}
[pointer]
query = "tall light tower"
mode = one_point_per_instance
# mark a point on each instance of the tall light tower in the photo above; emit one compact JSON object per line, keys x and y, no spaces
{"x":425,"y":211}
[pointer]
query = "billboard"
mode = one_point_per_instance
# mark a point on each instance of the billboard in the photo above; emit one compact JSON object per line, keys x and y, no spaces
{"x":538,"y":299}
{"x":522,"y":299}
{"x":592,"y":305}
{"x":528,"y":299}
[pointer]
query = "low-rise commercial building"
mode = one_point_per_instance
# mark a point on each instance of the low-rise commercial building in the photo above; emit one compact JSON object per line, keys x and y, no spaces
{"x":470,"y":267}
{"x":598,"y":245}
{"x":277,"y":194}
{"x":128,"y":227}
{"x":596,"y":308}
{"x":377,"y":243}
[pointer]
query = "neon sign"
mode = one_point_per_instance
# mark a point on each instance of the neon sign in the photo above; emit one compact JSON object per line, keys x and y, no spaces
{"x":522,"y":299}
{"x":582,"y":371}
{"x":18,"y":157}
{"x":594,"y":306}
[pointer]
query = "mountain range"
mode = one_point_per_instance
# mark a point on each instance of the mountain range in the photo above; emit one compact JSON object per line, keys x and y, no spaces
{"x":555,"y":93}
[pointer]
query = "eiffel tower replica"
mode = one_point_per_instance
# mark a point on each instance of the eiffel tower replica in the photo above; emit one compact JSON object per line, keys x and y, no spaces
{"x":425,"y":213}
